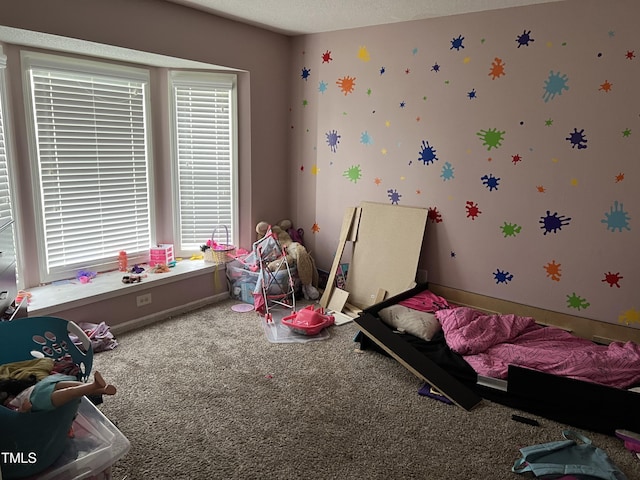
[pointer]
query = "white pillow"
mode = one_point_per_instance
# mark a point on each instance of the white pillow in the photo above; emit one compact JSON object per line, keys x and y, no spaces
{"x":423,"y":325}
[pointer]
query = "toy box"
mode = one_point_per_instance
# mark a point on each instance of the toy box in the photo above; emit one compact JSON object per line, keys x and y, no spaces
{"x":96,"y":445}
{"x":161,"y":253}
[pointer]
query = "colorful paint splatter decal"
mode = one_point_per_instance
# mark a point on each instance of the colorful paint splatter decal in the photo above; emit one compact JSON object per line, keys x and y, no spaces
{"x":553,"y":223}
{"x":524,"y":39}
{"x":456,"y":43}
{"x":502,"y":277}
{"x":491,"y":138}
{"x":629,"y":316}
{"x":553,"y":270}
{"x":394,"y":196}
{"x":332,"y":140}
{"x":606,"y":86}
{"x":306,"y":72}
{"x":363,"y":54}
{"x":472,"y":210}
{"x":510,"y":229}
{"x":497,"y":68}
{"x":577,"y":139}
{"x":490,"y":182}
{"x":353,"y":173}
{"x":326,"y":57}
{"x":322,"y":86}
{"x":613,"y":279}
{"x":616,"y":218}
{"x":434,"y":215}
{"x":554,"y":85}
{"x":447,"y":172}
{"x":365,"y":138}
{"x":427,"y":153}
{"x":346,"y":84}
{"x":579,"y":303}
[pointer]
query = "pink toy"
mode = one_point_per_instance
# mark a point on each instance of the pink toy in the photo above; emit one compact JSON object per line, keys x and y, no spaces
{"x":308,"y":321}
{"x":631,"y":440}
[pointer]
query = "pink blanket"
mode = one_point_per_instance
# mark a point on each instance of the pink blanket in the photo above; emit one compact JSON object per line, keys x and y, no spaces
{"x":489,"y":343}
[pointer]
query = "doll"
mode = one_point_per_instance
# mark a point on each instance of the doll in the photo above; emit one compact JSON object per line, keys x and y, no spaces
{"x":56,"y":390}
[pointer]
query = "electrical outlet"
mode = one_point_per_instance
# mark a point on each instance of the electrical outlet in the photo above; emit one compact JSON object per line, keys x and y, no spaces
{"x":142,"y":300}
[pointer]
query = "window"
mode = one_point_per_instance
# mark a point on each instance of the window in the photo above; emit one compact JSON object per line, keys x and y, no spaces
{"x":91,"y":157}
{"x":204,"y":150}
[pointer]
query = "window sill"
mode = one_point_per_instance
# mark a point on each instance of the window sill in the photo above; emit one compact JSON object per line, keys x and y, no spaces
{"x":65,"y":295}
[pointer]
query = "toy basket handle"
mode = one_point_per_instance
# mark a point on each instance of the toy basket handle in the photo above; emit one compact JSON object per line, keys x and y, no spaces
{"x":215,"y":229}
{"x":78,"y":332}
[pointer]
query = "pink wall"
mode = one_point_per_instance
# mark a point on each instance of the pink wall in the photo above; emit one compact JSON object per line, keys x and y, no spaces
{"x":468,"y":116}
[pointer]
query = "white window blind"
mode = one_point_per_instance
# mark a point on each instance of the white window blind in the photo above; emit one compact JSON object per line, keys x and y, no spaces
{"x":204,"y":159}
{"x":90,"y":135}
{"x":5,"y":198}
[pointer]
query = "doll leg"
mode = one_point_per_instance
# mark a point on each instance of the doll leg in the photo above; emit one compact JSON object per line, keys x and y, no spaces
{"x":65,"y":391}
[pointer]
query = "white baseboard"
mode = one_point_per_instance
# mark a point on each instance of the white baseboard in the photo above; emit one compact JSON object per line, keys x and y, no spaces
{"x":164,"y":314}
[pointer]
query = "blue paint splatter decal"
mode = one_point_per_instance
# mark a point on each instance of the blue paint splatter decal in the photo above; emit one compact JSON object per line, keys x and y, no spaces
{"x":502,"y":277}
{"x":553,"y":223}
{"x":332,"y":140}
{"x":306,"y":72}
{"x":427,"y":153}
{"x":616,"y":218}
{"x":394,"y":196}
{"x":457,"y":43}
{"x":554,"y":85}
{"x":490,"y":182}
{"x":447,"y":172}
{"x":524,"y":39}
{"x":577,"y":139}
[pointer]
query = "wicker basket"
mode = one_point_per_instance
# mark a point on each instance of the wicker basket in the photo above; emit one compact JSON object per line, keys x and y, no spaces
{"x":222,"y":252}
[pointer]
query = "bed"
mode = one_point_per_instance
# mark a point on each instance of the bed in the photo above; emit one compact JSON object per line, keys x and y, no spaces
{"x":469,"y":355}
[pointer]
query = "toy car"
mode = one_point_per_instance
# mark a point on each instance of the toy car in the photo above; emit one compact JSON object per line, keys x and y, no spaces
{"x":308,"y":321}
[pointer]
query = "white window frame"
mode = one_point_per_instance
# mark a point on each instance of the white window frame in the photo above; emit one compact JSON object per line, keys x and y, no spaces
{"x":196,"y":79}
{"x":7,"y":200}
{"x":56,"y":62}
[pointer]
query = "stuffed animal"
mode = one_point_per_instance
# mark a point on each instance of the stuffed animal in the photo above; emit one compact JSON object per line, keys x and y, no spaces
{"x":296,"y":254}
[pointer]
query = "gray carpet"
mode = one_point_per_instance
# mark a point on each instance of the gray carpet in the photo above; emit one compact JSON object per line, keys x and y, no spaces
{"x":205,"y":395}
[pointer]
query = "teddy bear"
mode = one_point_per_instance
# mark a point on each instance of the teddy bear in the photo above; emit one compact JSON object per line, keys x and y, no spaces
{"x":296,"y":254}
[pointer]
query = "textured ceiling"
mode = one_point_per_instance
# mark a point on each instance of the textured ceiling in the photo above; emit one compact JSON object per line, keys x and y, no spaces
{"x":294,"y":17}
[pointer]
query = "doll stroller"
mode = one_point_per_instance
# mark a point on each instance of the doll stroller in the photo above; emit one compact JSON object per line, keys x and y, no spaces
{"x":275,"y":286}
{"x":35,"y":440}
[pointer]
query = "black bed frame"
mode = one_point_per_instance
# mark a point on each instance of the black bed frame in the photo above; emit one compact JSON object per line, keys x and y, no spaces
{"x":582,"y":404}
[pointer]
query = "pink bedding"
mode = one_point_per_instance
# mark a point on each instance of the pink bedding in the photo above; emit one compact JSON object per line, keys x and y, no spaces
{"x":490,"y":342}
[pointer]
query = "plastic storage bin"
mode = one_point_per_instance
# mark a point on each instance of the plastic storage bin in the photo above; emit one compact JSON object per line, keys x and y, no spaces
{"x":162,"y":253}
{"x":96,"y":445}
{"x":35,"y":440}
